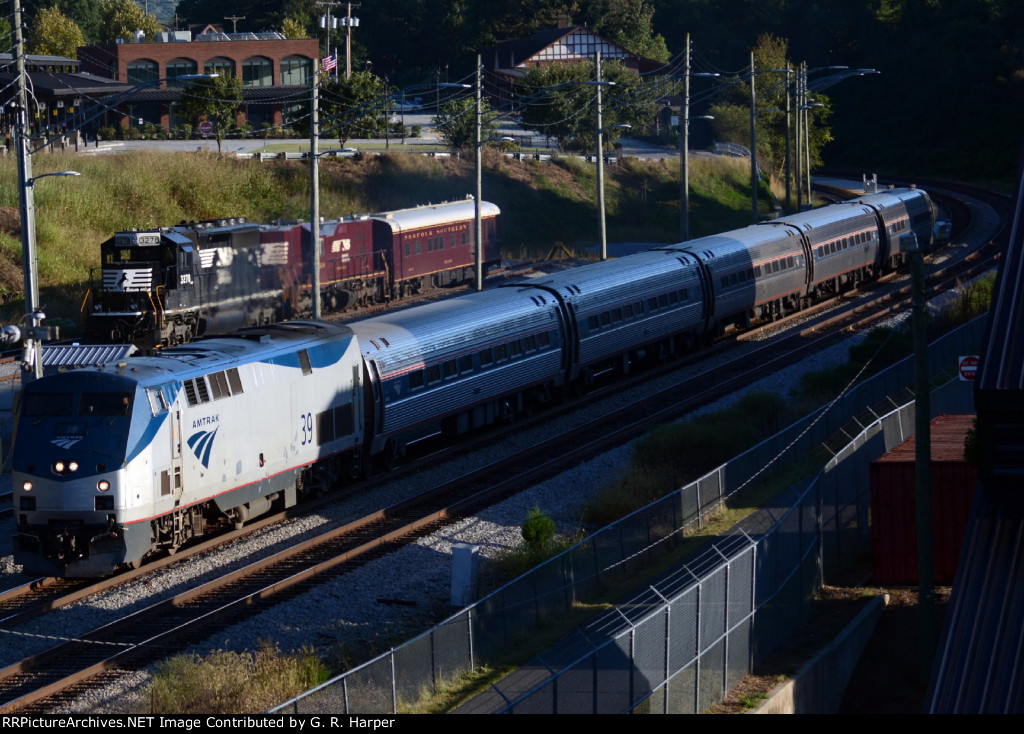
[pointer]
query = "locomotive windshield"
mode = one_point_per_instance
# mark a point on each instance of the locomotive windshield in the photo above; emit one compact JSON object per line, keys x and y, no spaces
{"x":133,"y":254}
{"x":98,"y":404}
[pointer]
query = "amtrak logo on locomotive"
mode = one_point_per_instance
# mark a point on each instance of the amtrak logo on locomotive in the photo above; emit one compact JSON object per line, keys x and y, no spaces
{"x":201,"y":443}
{"x":68,"y":434}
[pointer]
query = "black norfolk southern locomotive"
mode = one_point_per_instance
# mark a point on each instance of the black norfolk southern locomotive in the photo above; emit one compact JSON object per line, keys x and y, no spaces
{"x":169,"y":285}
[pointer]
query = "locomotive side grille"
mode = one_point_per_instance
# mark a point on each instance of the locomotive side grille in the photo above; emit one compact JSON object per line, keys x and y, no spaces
{"x":219,"y":385}
{"x":128,"y":280}
{"x":274,"y":253}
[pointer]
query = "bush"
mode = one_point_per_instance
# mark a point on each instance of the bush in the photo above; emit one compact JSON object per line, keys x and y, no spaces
{"x":538,"y":529}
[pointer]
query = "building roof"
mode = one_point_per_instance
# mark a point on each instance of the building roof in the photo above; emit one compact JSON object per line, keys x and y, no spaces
{"x":571,"y":44}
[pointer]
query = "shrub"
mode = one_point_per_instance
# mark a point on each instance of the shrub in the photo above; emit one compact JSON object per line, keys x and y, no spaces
{"x":538,"y":529}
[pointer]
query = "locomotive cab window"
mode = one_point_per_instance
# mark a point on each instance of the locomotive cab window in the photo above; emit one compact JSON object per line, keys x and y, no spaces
{"x":104,"y":403}
{"x":44,"y":405}
{"x":157,"y":402}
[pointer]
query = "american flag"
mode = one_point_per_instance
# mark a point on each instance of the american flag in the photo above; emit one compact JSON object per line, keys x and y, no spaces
{"x":329,"y":62}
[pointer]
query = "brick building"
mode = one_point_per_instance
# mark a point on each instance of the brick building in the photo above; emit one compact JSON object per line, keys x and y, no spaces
{"x":275,"y":72}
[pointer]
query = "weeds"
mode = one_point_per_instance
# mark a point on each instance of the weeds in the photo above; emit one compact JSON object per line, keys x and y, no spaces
{"x":233,"y":683}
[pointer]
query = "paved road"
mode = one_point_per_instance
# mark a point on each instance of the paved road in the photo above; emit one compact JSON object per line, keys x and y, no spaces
{"x":428,"y":136}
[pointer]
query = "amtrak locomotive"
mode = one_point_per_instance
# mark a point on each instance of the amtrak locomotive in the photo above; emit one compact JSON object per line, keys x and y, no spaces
{"x":118,"y":462}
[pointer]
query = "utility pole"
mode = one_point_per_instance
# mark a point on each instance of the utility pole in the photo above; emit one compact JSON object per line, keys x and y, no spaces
{"x":349,"y":23}
{"x":602,"y":230}
{"x":753,"y":138}
{"x":684,"y":149}
{"x":922,"y":458}
{"x":326,"y":21}
{"x":234,"y":21}
{"x":799,"y":139}
{"x":789,"y":170}
{"x":33,"y":345}
{"x":314,"y":167}
{"x":478,"y":239}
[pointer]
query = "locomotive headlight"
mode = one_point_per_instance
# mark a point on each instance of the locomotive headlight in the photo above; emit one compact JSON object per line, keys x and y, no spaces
{"x":103,"y":485}
{"x":27,"y":486}
{"x":59,"y":467}
{"x":73,"y":466}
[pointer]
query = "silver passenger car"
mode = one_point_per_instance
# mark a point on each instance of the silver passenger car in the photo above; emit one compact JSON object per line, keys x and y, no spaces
{"x":617,"y":307}
{"x":459,"y":363}
{"x":901,"y":211}
{"x":756,"y":271}
{"x":843,"y":241}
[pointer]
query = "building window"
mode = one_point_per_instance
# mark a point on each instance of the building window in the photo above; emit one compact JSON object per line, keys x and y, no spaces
{"x":180,"y":67}
{"x":219,"y":65}
{"x":142,"y":71}
{"x":296,"y":70}
{"x":258,"y":72}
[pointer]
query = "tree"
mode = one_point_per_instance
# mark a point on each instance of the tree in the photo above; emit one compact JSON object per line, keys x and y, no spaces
{"x":54,"y":34}
{"x":86,"y":14}
{"x":559,"y":100}
{"x":629,"y":24}
{"x":216,"y":99}
{"x":353,"y":107}
{"x":121,"y":18}
{"x":456,"y":123}
{"x":732,"y":115}
{"x":292,"y":29}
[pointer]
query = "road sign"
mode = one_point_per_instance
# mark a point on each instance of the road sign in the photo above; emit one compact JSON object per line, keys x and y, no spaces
{"x":206,"y":127}
{"x":968,"y":368}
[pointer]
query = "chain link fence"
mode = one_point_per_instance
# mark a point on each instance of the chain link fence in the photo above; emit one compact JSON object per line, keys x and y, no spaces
{"x":683,"y":643}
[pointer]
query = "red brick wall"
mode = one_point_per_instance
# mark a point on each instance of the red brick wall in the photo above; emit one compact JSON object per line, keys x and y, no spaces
{"x":112,"y":60}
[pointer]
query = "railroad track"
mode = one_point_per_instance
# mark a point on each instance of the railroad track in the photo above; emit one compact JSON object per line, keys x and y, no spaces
{"x":167,"y":626}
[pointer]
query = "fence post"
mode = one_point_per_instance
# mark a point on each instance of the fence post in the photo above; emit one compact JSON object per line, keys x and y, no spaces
{"x":469,"y":635}
{"x":699,"y":650}
{"x":394,"y":679}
